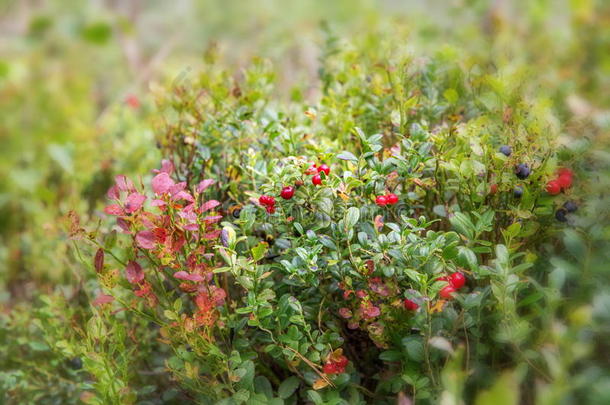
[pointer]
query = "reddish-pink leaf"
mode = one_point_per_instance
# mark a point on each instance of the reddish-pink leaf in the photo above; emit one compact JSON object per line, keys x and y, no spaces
{"x":123,"y":224}
{"x":134,"y":202}
{"x":145,"y":239}
{"x":183,"y":195}
{"x":208,"y":205}
{"x":212,"y":235}
{"x":114,"y":209}
{"x":183,"y":275}
{"x":203,"y":184}
{"x":166,"y":167}
{"x":212,"y":219}
{"x":158,"y":203}
{"x":98,"y":261}
{"x":162,"y":183}
{"x":124,"y":184}
{"x":102,"y":299}
{"x":113,"y":193}
{"x":134,"y":273}
{"x":178,"y":187}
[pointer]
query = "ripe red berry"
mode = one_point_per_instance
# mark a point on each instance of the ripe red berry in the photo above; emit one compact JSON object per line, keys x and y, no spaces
{"x":564,"y":171}
{"x":316,"y":180}
{"x":381,"y":200}
{"x":341,"y":362}
{"x":324,"y":168}
{"x":313,"y":169}
{"x":270,"y":209}
{"x":553,"y":187}
{"x":564,"y":181}
{"x":410,"y":305}
{"x":447,"y":292}
{"x":331,"y":368}
{"x":493,"y":189}
{"x":457,"y":280}
{"x":392,"y":198}
{"x":266,"y":200}
{"x":287,"y":192}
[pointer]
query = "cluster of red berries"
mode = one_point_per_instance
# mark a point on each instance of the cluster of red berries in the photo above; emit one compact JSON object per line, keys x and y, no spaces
{"x":268,"y":202}
{"x":336,"y":365}
{"x":456,"y":281}
{"x":388,"y":199}
{"x":316,"y":170}
{"x":562,"y":182}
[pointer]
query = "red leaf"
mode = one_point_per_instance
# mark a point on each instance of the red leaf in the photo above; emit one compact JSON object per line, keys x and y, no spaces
{"x":208,"y":205}
{"x":145,"y":239}
{"x":98,"y":262}
{"x":134,"y":202}
{"x":114,"y":209}
{"x":203,"y":184}
{"x":161,"y":183}
{"x":134,"y":273}
{"x":102,"y":299}
{"x":183,"y":275}
{"x":124,"y":184}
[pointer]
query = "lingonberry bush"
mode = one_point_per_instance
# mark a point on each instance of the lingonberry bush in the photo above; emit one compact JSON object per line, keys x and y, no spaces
{"x":381,"y":242}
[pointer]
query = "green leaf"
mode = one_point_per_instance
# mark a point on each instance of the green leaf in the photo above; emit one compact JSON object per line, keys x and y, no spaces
{"x":351,"y":217}
{"x":345,"y":155}
{"x":259,"y":251}
{"x":390,"y":355}
{"x":462,"y":224}
{"x":288,"y":387}
{"x":467,"y":257}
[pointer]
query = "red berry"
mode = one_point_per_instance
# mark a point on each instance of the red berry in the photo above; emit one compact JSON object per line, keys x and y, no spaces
{"x":316,"y":180}
{"x":270,"y":209}
{"x":553,"y":187}
{"x":342,"y":362}
{"x":564,"y":171}
{"x":564,"y":181}
{"x":330,"y":368}
{"x":493,"y":189}
{"x":313,"y":169}
{"x":265,"y":200}
{"x":447,"y":292}
{"x":381,"y":200}
{"x":410,"y":305}
{"x":324,"y":168}
{"x":457,"y":280}
{"x":392,"y":198}
{"x":287,"y":192}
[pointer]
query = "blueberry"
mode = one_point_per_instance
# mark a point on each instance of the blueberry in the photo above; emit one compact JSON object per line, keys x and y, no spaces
{"x":560,"y":215}
{"x":75,"y":363}
{"x":236,"y":213}
{"x":522,"y":171}
{"x":506,"y":150}
{"x":570,"y":206}
{"x":518,"y":191}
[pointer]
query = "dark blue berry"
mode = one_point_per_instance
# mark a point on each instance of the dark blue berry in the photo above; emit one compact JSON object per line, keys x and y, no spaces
{"x":75,"y":363}
{"x":506,"y":150}
{"x":560,"y":215}
{"x":522,"y":171}
{"x":518,"y":191}
{"x":570,"y":206}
